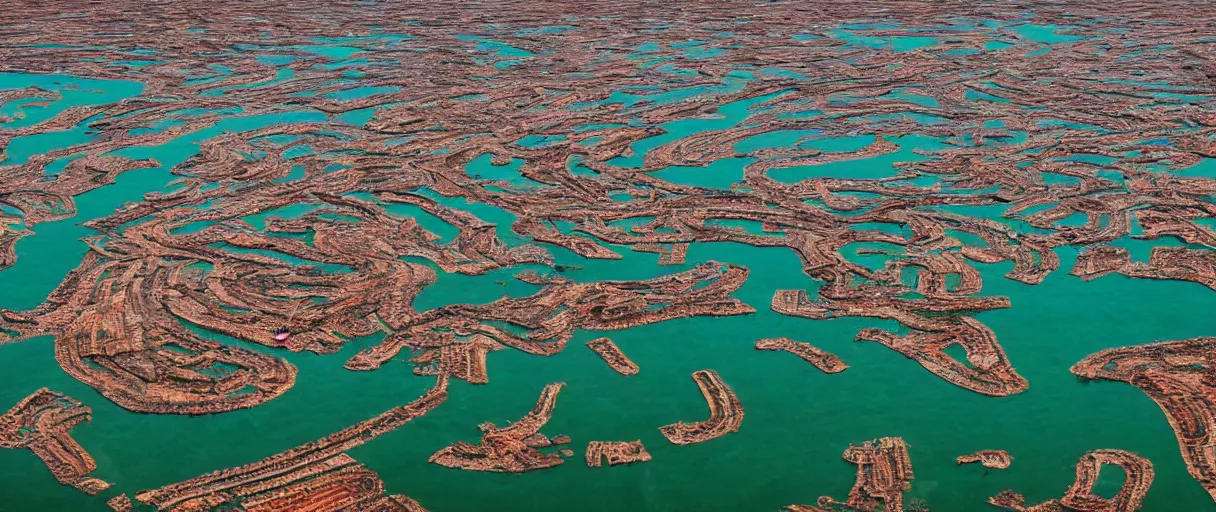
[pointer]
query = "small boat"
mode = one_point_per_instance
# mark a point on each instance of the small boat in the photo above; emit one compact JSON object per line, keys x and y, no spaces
{"x":282,"y":334}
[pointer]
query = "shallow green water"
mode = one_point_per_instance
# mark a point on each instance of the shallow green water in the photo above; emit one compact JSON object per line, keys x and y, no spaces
{"x":798,"y":419}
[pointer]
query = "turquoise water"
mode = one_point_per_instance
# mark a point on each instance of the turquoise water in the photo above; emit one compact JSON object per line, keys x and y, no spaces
{"x":896,"y":43}
{"x":75,"y":91}
{"x":1049,"y":34}
{"x":798,"y":420}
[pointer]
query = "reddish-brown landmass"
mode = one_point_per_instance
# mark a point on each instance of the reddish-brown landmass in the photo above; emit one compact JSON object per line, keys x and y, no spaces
{"x":921,"y":314}
{"x":41,"y":423}
{"x":612,"y":355}
{"x":462,"y":360}
{"x":1080,"y":495}
{"x":121,"y":503}
{"x":620,"y":452}
{"x":992,"y":459}
{"x":317,"y":475}
{"x":825,"y":361}
{"x":1179,"y":377}
{"x":334,"y":484}
{"x":668,"y":254}
{"x":725,"y":412}
{"x":510,"y":449}
{"x":986,"y":371}
{"x":884,"y":471}
{"x":1167,"y":263}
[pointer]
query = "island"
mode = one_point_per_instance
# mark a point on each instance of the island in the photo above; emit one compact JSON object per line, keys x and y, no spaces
{"x":611,"y":354}
{"x":509,"y":449}
{"x":987,"y":370}
{"x":1080,"y":495}
{"x":825,"y":361}
{"x":725,"y":412}
{"x":884,"y":473}
{"x":317,"y":473}
{"x":41,"y":423}
{"x":991,"y":459}
{"x":615,"y":452}
{"x":1179,"y":377}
